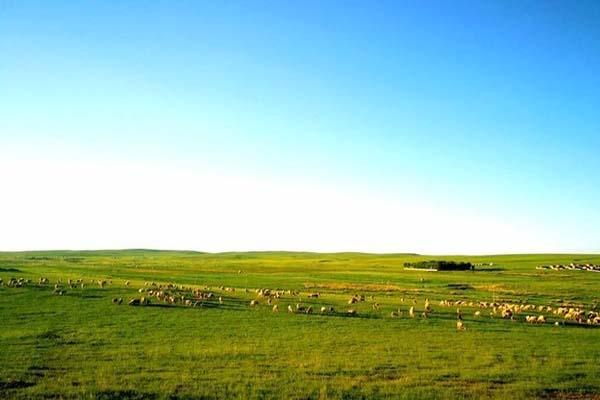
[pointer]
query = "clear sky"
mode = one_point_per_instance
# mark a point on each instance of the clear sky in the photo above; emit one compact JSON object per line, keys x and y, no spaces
{"x":433,"y":127}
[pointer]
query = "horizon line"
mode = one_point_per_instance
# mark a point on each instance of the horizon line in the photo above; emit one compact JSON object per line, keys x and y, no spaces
{"x":592,"y":253}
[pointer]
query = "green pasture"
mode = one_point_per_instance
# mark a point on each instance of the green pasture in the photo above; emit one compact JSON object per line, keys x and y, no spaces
{"x":81,"y":345}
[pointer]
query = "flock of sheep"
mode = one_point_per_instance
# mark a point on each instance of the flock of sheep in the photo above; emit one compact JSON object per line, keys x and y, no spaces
{"x":571,"y":266}
{"x":173,"y":294}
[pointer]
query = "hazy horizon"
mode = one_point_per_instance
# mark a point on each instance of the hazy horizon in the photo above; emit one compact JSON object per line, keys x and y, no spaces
{"x":438,"y":128}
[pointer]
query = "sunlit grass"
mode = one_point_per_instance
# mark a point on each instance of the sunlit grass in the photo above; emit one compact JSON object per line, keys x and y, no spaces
{"x":81,"y":345}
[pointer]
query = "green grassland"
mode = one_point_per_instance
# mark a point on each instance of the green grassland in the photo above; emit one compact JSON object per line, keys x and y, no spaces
{"x":81,"y":345}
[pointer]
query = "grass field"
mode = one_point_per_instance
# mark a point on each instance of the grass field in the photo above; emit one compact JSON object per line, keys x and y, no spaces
{"x":81,"y":345}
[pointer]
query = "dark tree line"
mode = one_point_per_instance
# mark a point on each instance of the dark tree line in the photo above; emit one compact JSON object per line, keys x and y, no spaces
{"x":442,"y":265}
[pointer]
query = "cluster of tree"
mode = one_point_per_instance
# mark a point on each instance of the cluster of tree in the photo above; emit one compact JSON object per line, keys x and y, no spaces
{"x":441,"y":265}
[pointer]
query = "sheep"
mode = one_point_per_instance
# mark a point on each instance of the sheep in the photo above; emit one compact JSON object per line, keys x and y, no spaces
{"x":326,"y":310}
{"x":275,"y":308}
{"x":134,"y":302}
{"x":253,"y":303}
{"x":290,"y":309}
{"x":375,"y":306}
{"x":353,"y":300}
{"x":300,"y":308}
{"x":530,"y":318}
{"x":220,"y":300}
{"x":541,"y":319}
{"x":395,"y":314}
{"x":314,"y":295}
{"x":126,"y":283}
{"x":477,"y":314}
{"x":352,"y":312}
{"x":427,"y":305}
{"x":460,"y":326}
{"x":309,"y":310}
{"x":411,"y":312}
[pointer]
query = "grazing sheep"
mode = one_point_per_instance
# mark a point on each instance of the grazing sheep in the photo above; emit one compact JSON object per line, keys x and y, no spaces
{"x":126,"y":283}
{"x":477,"y":314}
{"x":353,"y":300}
{"x":220,"y":300}
{"x":314,"y":295}
{"x":300,"y":308}
{"x":395,"y":314}
{"x":352,"y":312}
{"x":253,"y":303}
{"x":375,"y":306}
{"x":460,"y":326}
{"x":290,"y":309}
{"x":411,"y":312}
{"x":541,"y":319}
{"x":134,"y":302}
{"x":275,"y":308}
{"x":309,"y":310}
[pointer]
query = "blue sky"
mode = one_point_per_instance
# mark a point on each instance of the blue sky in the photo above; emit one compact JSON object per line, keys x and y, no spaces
{"x":478,"y":111}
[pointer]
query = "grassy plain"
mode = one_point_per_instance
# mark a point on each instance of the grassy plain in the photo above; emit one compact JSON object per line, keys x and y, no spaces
{"x":80,"y":345}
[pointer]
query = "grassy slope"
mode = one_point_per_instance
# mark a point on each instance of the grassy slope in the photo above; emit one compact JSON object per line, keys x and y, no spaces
{"x":81,"y":345}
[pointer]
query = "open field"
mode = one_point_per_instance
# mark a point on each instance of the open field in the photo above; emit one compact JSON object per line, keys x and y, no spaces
{"x":80,"y":344}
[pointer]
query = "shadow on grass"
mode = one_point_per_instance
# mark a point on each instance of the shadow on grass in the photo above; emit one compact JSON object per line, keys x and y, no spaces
{"x":15,"y":384}
{"x":9,"y":270}
{"x":124,"y":394}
